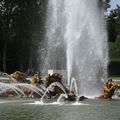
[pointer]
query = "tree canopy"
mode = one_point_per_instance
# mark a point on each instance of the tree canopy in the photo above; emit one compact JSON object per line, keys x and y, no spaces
{"x":21,"y":29}
{"x":113,"y":21}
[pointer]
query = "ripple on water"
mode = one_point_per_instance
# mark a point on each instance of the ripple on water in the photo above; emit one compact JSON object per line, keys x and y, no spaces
{"x":58,"y":103}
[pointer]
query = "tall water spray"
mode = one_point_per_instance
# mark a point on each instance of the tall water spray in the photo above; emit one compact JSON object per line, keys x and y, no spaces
{"x":76,"y":40}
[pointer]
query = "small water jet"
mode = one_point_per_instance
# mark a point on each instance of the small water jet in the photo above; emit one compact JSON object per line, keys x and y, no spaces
{"x":30,"y":87}
{"x":21,"y":89}
{"x":73,"y":82}
{"x":62,"y":96}
{"x":6,"y":87}
{"x":51,"y":88}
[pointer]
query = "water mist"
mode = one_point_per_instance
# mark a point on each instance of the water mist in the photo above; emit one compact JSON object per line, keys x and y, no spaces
{"x":76,"y":40}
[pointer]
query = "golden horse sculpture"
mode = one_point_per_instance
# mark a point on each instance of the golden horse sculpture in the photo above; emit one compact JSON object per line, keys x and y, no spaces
{"x":20,"y":77}
{"x":109,"y":89}
{"x":36,"y":79}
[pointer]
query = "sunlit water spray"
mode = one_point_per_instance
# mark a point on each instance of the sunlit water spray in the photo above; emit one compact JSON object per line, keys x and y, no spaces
{"x":62,"y":96}
{"x":76,"y":40}
{"x":51,"y":88}
{"x":73,"y":86}
{"x":21,"y":89}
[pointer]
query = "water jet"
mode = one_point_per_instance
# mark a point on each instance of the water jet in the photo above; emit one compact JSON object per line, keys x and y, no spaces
{"x":76,"y":40}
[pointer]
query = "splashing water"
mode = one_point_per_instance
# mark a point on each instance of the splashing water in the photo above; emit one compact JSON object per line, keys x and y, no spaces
{"x":19,"y":88}
{"x":51,"y":88}
{"x":7,"y":86}
{"x":76,"y":40}
{"x":61,"y":96}
{"x":73,"y":82}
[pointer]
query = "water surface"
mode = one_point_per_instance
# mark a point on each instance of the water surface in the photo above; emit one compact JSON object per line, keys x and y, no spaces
{"x":31,"y":109}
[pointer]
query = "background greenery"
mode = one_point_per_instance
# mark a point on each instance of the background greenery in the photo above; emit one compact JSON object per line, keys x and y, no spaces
{"x":22,"y":32}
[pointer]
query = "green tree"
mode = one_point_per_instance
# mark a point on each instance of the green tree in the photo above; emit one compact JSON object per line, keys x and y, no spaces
{"x":114,"y":49}
{"x":107,"y":4}
{"x":7,"y":8}
{"x":113,"y":21}
{"x":28,"y":24}
{"x":21,"y":31}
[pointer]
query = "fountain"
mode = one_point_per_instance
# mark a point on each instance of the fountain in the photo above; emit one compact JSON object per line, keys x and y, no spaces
{"x":4,"y":87}
{"x":51,"y":88}
{"x":73,"y":82}
{"x":61,"y":96}
{"x":20,"y":89}
{"x":76,"y":40}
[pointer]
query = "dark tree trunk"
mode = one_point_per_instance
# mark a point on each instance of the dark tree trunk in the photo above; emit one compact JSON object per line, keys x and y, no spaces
{"x":4,"y":55}
{"x":30,"y":66}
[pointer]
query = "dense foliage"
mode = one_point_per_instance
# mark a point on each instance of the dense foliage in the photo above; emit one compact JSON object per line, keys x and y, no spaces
{"x":114,"y":34}
{"x":21,"y":30}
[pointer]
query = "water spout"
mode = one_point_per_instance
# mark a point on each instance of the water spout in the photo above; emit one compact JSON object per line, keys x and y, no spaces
{"x":51,"y":88}
{"x":61,"y":96}
{"x":76,"y":40}
{"x":73,"y":82}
